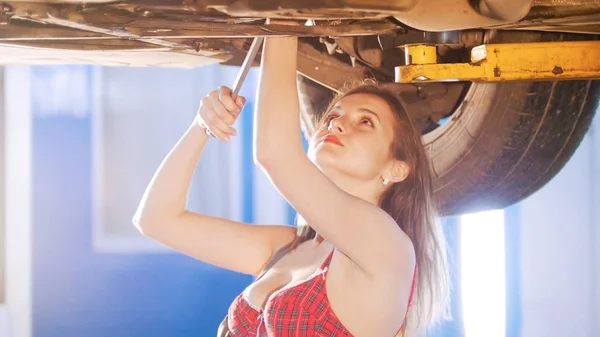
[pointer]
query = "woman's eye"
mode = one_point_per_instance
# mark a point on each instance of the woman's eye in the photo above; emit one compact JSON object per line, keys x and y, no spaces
{"x":329,"y":118}
{"x":367,"y":121}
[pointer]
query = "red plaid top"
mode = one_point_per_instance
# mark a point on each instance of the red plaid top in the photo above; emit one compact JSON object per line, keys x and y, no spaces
{"x":298,"y":309}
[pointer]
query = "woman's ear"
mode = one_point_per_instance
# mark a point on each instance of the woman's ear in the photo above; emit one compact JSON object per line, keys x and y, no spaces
{"x":398,"y":171}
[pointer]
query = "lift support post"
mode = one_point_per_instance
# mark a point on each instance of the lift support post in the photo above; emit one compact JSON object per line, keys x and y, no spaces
{"x":539,"y":61}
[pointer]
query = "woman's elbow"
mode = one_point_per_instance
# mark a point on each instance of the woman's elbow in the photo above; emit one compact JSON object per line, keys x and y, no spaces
{"x":143,"y":222}
{"x":138,"y":221}
{"x":275,"y":157}
{"x":263,"y":157}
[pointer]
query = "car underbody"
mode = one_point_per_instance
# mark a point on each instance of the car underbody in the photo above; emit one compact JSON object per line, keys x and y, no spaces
{"x":194,"y":33}
{"x":498,"y":143}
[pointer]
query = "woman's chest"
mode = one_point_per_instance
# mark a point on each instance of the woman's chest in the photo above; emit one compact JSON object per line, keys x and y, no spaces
{"x":292,"y":270}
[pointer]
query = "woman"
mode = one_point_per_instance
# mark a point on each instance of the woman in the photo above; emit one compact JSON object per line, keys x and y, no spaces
{"x":365,"y":188}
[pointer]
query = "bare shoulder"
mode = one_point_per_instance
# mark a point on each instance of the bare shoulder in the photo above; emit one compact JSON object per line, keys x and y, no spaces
{"x":395,"y":252}
{"x":406,"y":252}
{"x":396,"y":260}
{"x":380,"y":296}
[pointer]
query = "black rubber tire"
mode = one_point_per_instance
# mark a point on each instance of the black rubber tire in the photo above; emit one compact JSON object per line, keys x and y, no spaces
{"x":504,"y":141}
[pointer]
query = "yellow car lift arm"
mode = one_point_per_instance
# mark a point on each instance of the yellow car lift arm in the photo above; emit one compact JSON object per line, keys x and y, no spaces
{"x":538,"y":61}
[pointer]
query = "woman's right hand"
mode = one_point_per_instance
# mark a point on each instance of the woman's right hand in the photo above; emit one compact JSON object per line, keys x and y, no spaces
{"x":218,"y":111}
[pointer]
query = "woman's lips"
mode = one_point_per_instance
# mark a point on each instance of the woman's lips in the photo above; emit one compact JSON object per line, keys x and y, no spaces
{"x":332,"y":139}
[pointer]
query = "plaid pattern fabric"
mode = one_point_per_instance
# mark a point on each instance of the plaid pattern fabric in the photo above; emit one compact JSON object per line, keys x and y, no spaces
{"x":299,"y":310}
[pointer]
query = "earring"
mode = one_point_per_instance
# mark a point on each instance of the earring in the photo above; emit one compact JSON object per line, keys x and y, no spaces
{"x":386,"y":181}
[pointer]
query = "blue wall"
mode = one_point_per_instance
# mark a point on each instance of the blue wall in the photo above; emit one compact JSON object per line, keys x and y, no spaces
{"x":77,"y":292}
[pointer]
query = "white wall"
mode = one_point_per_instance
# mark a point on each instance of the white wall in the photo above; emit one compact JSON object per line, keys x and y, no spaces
{"x":595,"y":229}
{"x":559,"y":245}
{"x":18,"y":216}
{"x":5,"y":330}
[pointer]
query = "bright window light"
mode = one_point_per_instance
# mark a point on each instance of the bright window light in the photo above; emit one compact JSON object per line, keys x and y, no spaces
{"x":482,"y":274}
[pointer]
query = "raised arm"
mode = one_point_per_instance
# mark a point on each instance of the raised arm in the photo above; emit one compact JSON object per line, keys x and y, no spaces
{"x":359,"y":229}
{"x":162,"y":215}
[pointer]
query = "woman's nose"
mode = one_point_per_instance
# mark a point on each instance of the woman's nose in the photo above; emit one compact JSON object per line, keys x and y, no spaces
{"x":336,"y":125}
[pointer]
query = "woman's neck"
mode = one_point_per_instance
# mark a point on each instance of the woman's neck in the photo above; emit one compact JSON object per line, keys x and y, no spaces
{"x":369,"y":191}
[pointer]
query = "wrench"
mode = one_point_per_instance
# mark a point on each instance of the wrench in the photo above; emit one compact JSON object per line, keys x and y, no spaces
{"x":237,"y":85}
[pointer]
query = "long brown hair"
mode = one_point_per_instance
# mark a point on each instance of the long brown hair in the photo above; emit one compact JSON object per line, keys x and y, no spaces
{"x":411,"y":204}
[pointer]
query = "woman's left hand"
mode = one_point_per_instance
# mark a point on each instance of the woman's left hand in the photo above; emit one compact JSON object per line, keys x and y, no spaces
{"x":218,"y":111}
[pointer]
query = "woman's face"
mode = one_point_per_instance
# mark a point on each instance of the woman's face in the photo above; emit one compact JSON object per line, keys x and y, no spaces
{"x":355,"y":138}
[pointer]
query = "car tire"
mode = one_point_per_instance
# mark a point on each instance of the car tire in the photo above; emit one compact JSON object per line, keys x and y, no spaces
{"x":504,"y":141}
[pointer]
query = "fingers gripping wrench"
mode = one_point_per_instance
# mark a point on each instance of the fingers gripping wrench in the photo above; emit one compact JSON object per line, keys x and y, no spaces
{"x":245,"y":68}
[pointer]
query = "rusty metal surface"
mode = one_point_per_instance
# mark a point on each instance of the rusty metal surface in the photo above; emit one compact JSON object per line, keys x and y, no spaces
{"x":572,"y":10}
{"x":118,"y":33}
{"x":581,"y":16}
{"x":584,"y":24}
{"x":155,"y":57}
{"x":460,"y":14}
{"x":221,"y":29}
{"x":310,"y":9}
{"x":511,"y":10}
{"x":561,"y":16}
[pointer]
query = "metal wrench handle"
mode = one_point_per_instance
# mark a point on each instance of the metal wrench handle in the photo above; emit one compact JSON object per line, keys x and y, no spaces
{"x":237,"y":85}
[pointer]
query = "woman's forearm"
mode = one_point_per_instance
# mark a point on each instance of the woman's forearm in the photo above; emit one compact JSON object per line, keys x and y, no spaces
{"x":166,"y":195}
{"x":277,"y":115}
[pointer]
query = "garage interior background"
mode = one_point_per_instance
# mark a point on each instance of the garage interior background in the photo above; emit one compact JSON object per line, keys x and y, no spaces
{"x":80,"y":143}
